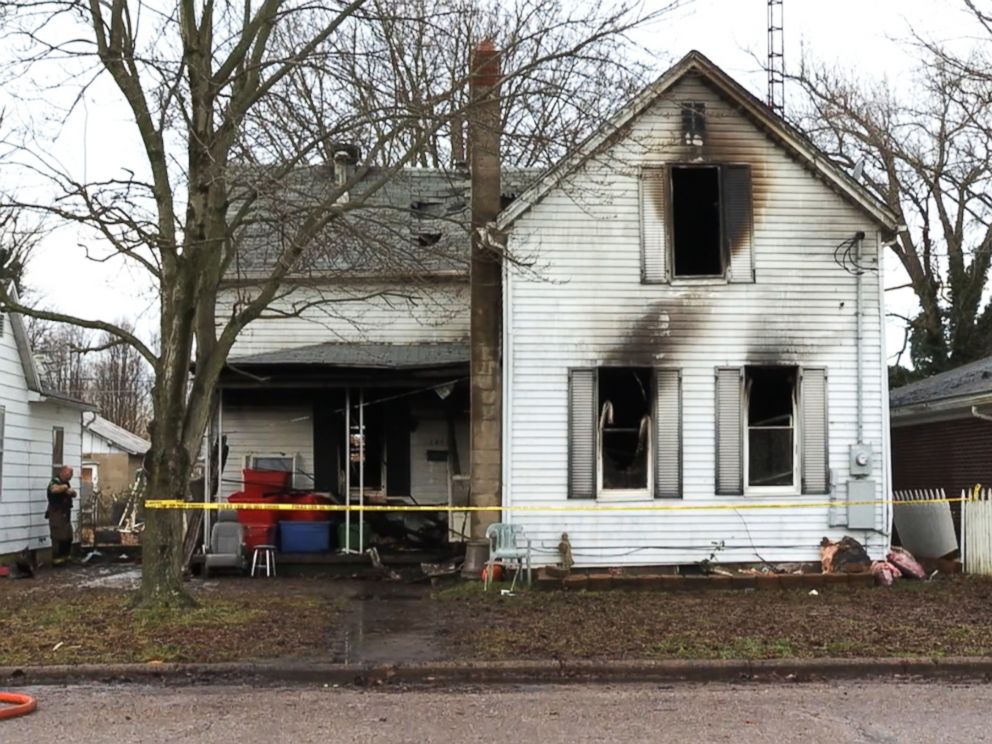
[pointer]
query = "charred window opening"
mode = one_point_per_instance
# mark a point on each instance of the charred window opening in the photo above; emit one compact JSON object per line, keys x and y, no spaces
{"x":696,"y":244}
{"x":693,"y":122}
{"x":624,"y":428}
{"x":770,"y":405}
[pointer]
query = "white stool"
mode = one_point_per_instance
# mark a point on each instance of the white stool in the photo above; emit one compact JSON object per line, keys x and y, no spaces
{"x":268,"y":553}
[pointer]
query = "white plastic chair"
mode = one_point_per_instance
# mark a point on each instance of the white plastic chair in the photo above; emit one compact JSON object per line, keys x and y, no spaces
{"x":507,"y":544}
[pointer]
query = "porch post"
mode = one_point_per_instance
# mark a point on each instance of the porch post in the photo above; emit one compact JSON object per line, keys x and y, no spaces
{"x":347,"y":470}
{"x":207,"y":451}
{"x":361,"y":469}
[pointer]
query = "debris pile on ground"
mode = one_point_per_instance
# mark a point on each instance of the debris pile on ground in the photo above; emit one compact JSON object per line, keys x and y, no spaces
{"x":900,"y":563}
{"x":885,"y":573}
{"x":846,"y":555}
{"x":908,"y":566}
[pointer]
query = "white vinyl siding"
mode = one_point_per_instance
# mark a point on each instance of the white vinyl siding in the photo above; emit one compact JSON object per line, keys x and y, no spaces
{"x":415,"y":312}
{"x":267,"y":430}
{"x":588,"y":305}
{"x":3,"y":434}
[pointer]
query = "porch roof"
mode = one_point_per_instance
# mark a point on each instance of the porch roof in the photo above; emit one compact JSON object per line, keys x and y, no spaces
{"x":363,"y":355}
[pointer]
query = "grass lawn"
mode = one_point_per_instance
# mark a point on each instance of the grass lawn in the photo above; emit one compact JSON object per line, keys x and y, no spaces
{"x":947,"y":617}
{"x":48,"y":620}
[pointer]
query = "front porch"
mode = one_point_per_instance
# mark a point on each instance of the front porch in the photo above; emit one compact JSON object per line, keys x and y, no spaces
{"x":359,"y":424}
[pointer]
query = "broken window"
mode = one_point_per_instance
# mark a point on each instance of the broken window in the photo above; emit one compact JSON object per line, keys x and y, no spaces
{"x":770,"y":409}
{"x":693,"y":122}
{"x":624,"y":424}
{"x":696,"y":224}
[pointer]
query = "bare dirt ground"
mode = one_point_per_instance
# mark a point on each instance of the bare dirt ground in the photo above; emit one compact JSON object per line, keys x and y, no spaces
{"x":951,"y":616}
{"x":85,"y":614}
{"x":879,"y":712}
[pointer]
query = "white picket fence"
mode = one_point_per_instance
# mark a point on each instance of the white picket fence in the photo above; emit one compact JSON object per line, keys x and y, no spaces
{"x":923,"y":519}
{"x":976,"y":532}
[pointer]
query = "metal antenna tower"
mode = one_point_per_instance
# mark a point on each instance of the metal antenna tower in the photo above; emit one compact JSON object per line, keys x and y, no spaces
{"x":776,"y":57}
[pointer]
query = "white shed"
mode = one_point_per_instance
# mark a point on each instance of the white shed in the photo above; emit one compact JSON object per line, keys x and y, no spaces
{"x":694,"y":369}
{"x":39,"y":430}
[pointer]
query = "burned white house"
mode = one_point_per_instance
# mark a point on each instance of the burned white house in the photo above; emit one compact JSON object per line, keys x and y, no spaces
{"x":694,"y":368}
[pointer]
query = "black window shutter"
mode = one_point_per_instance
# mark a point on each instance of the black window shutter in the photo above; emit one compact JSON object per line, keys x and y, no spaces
{"x":729,"y":431}
{"x":738,"y":222}
{"x":582,"y":434}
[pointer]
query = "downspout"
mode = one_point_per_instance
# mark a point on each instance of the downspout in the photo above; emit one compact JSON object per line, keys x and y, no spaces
{"x":859,"y":334}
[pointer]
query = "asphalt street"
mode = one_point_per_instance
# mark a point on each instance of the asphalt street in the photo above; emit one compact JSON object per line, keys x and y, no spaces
{"x":874,"y":712}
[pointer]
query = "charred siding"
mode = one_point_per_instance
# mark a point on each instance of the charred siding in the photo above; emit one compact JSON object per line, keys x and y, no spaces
{"x":588,"y":307}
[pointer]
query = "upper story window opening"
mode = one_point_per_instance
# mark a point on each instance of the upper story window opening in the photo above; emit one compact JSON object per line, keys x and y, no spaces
{"x":693,"y":123}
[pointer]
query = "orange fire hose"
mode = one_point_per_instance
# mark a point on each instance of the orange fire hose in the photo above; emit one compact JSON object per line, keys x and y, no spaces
{"x":16,"y":705}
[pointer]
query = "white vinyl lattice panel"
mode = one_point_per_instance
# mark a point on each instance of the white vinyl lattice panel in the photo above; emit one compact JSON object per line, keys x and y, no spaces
{"x":976,"y":529}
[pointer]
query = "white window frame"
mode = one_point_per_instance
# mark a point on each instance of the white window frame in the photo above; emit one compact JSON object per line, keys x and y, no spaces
{"x":677,"y":278}
{"x":252,"y":457}
{"x":626,"y":494}
{"x":791,"y":490}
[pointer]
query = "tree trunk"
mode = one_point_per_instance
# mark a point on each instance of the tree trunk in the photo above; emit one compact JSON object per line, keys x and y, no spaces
{"x":169,"y":468}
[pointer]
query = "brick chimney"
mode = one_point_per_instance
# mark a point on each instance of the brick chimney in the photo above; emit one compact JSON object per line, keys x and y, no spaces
{"x":487,"y":290}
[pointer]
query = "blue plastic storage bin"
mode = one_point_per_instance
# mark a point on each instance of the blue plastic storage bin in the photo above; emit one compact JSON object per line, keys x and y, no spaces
{"x":304,"y":537}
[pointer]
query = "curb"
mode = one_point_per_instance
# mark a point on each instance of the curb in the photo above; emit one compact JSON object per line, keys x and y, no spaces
{"x":505,"y":672}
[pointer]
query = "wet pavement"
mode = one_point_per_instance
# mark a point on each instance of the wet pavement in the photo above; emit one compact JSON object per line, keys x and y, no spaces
{"x":388,"y":621}
{"x":860,"y":713}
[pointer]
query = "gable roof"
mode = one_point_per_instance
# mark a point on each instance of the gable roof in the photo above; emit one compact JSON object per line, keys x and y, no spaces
{"x":771,"y":123}
{"x":118,"y":435}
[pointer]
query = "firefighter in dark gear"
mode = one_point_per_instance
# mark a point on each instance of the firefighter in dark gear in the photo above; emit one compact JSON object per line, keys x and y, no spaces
{"x":59,"y":515}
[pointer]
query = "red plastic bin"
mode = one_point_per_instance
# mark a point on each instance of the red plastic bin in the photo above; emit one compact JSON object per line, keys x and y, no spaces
{"x":311,"y":499}
{"x":258,"y":534}
{"x":265,"y":482}
{"x":256,"y":516}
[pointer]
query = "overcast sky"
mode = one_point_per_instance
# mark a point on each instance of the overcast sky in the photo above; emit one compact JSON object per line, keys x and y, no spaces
{"x":868,"y":35}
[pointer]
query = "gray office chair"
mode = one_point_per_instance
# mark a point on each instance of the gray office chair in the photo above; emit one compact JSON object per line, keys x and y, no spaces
{"x":226,"y":549}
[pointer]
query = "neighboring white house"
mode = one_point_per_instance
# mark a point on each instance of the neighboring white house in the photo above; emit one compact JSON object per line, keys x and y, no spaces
{"x":39,"y":430}
{"x":704,"y":335}
{"x":111,"y":456}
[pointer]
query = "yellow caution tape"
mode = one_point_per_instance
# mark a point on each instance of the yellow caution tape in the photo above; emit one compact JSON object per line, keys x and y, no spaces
{"x":681,"y":506}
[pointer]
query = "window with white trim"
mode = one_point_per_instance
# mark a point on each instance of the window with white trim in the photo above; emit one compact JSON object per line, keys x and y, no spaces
{"x":772,"y":430}
{"x":770,"y":452}
{"x":624,"y":432}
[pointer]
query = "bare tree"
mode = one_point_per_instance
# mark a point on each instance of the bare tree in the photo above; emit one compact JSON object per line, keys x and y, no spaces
{"x":60,"y":351}
{"x":927,"y":152}
{"x":19,"y":236}
{"x":120,"y":384}
{"x":216,"y":95}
